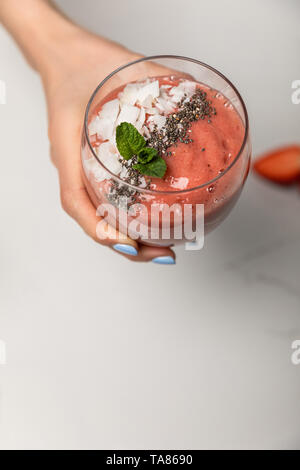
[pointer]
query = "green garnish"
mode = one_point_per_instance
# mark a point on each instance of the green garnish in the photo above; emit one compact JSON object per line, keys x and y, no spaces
{"x":130,"y":143}
{"x":155,"y":168}
{"x":147,"y":154}
{"x":129,"y":140}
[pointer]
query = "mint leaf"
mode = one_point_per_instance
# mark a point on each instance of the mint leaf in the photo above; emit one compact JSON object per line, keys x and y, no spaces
{"x":155,"y":168}
{"x":147,"y":154}
{"x":129,"y":141}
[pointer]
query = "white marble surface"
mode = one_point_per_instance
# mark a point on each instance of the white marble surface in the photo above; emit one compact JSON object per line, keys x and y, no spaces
{"x":102,"y":353}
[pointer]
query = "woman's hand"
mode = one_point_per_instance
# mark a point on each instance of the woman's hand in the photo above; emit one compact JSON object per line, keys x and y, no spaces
{"x":72,"y":62}
{"x":68,"y":85}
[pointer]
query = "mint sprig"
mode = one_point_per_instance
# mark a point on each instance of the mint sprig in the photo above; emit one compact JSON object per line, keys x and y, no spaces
{"x":147,"y":154}
{"x":155,"y":168}
{"x":130,"y":143}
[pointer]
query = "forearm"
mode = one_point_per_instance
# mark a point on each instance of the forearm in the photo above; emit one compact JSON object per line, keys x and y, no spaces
{"x":37,"y":27}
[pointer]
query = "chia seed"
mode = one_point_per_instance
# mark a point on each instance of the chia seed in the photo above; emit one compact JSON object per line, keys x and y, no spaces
{"x":178,"y":124}
{"x":121,"y":195}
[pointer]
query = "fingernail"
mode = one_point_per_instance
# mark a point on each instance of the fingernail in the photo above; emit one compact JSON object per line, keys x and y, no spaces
{"x":125,"y":249}
{"x":164,"y":260}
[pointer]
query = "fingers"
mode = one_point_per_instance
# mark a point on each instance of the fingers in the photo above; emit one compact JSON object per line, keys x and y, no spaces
{"x":158,"y":255}
{"x":76,"y":201}
{"x":65,"y":150}
{"x":78,"y":205}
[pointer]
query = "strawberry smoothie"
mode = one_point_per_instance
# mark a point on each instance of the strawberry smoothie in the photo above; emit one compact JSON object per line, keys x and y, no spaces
{"x":194,"y":128}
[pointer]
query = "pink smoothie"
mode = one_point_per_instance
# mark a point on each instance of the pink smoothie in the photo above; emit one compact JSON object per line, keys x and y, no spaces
{"x":215,"y":144}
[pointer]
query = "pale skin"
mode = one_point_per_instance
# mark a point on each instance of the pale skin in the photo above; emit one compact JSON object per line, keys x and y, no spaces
{"x":71,"y":62}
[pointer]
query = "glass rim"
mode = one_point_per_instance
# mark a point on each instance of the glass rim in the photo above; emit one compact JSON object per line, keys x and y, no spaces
{"x":156,"y":57}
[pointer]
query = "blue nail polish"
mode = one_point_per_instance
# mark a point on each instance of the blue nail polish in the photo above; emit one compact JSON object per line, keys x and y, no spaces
{"x":164,"y":260}
{"x":125,"y":249}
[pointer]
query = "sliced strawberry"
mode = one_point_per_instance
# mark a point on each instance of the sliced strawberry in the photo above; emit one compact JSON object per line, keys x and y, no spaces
{"x":281,"y":166}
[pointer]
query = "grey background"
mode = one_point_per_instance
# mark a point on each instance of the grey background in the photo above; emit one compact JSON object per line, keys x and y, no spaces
{"x":103,"y":353}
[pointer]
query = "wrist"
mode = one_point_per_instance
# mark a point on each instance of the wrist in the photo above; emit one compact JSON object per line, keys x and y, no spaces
{"x":37,"y":27}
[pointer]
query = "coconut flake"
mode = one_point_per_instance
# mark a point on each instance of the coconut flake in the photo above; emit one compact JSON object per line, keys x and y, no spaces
{"x":141,"y":119}
{"x":94,"y":126}
{"x":142,"y":183}
{"x":129,"y":114}
{"x":110,"y":110}
{"x":146,"y":132}
{"x":93,"y":167}
{"x":124,"y":172}
{"x":150,"y":89}
{"x":165,"y":106}
{"x":157,"y":120}
{"x":147,"y":102}
{"x":105,"y":128}
{"x":186,"y":87}
{"x":109,"y":157}
{"x":130,"y":94}
{"x":152,"y":111}
{"x":104,"y":123}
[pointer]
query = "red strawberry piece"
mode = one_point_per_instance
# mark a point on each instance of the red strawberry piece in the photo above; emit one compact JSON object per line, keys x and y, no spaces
{"x":281,"y":166}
